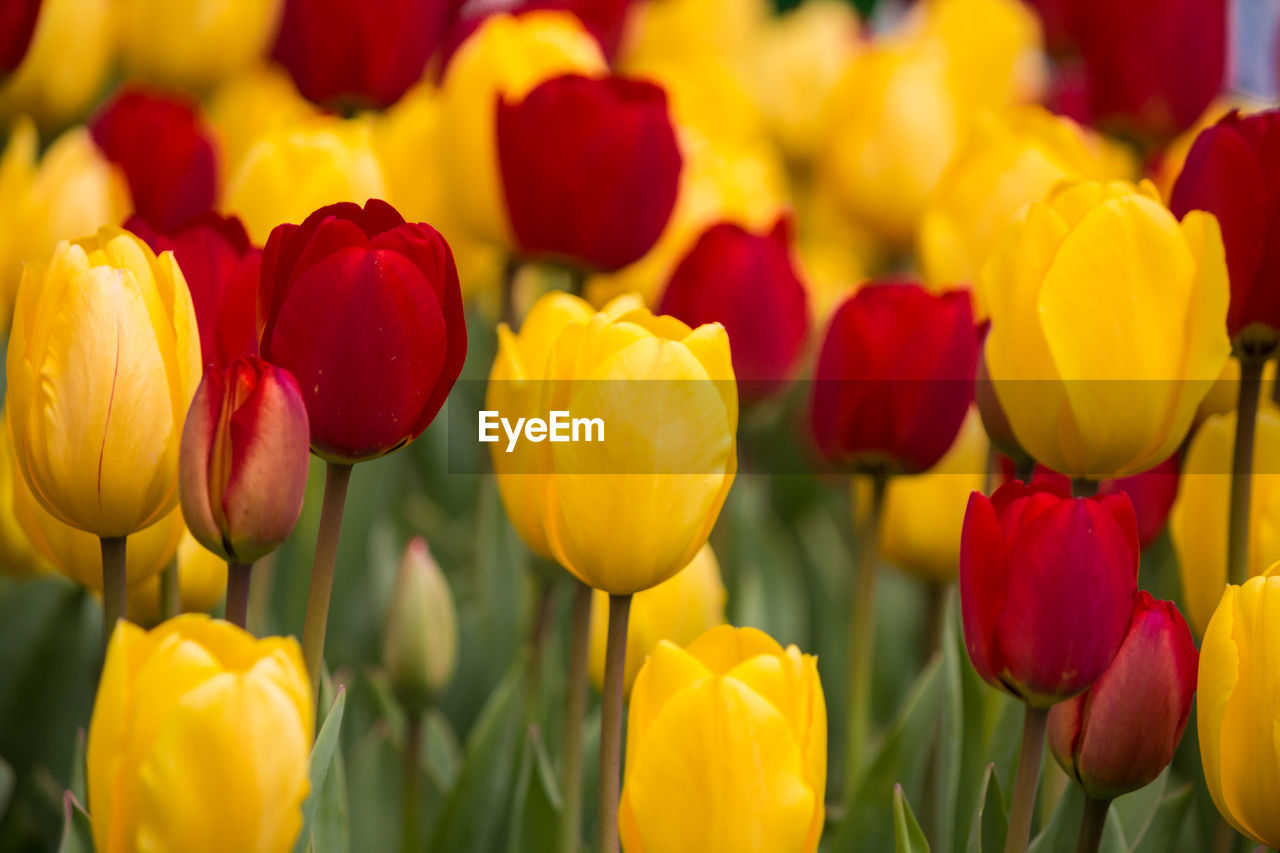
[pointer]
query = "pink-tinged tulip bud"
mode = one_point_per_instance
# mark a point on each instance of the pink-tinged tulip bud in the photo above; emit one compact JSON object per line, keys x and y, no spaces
{"x":748,"y":283}
{"x":1046,"y":587}
{"x":895,"y":377}
{"x":165,"y":151}
{"x":221,"y":268}
{"x":17,"y":24}
{"x":1233,"y":172}
{"x":1120,"y":733}
{"x":243,"y":468}
{"x":590,"y":168}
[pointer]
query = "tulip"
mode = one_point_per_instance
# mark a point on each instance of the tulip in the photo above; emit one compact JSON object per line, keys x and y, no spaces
{"x":894,"y":378}
{"x":589,"y":168}
{"x":606,"y":20}
{"x":195,"y":45}
{"x":1118,"y":735}
{"x":72,"y":190}
{"x":420,"y":649}
{"x":1198,"y":524}
{"x":251,"y":106}
{"x":181,"y":710}
{"x":726,"y":748}
{"x":1107,"y":326}
{"x":1152,"y":493}
{"x":17,"y":555}
{"x":294,"y":169}
{"x":165,"y":152}
{"x":46,"y":85}
{"x":748,"y":282}
{"x":202,"y":578}
{"x":1008,"y":160}
{"x":681,"y":29}
{"x":363,"y":53}
{"x":17,"y":24}
{"x":221,"y":269}
{"x":678,"y":610}
{"x":1224,"y":396}
{"x":503,"y":59}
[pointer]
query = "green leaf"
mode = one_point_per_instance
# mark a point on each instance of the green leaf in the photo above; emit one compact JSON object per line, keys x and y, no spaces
{"x":322,"y":759}
{"x":1166,"y":826}
{"x":330,"y":829}
{"x":908,"y":837}
{"x":990,"y":824}
{"x":537,"y":804}
{"x":77,"y":832}
{"x":1135,"y":811}
{"x":1060,"y":834}
{"x":79,"y":785}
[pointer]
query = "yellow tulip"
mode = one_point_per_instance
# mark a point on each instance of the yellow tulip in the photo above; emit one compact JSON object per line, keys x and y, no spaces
{"x":196,"y":43}
{"x":61,"y":76}
{"x":681,"y":29}
{"x":103,"y":360}
{"x":202,"y":580}
{"x":923,"y":514}
{"x":1008,"y":160}
{"x":1224,"y":396}
{"x":1107,"y":326}
{"x":726,"y":748}
{"x":505,"y":57}
{"x":707,"y":96}
{"x":835,"y":251}
{"x":1239,"y":703}
{"x":17,"y":555}
{"x":1198,"y":522}
{"x":295,"y":169}
{"x":69,"y":192}
{"x":199,"y":740}
{"x":248,"y":106}
{"x":679,"y":610}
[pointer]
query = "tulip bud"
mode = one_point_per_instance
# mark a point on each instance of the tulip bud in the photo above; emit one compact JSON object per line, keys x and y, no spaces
{"x":17,"y":23}
{"x":420,"y":650}
{"x":748,"y":283}
{"x":244,"y":459}
{"x":46,"y":85}
{"x":590,"y":169}
{"x":364,"y":309}
{"x":726,"y":748}
{"x":184,"y":711}
{"x":1120,"y":733}
{"x":165,"y":151}
{"x":1046,"y":587}
{"x":195,"y":45}
{"x":894,"y":378}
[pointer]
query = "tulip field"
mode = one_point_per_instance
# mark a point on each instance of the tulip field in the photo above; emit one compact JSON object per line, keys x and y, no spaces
{"x":640,"y":426}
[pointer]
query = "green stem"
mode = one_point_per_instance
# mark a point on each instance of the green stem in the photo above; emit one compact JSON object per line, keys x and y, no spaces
{"x":509,"y":273}
{"x":935,"y":618}
{"x":317,"y":617}
{"x":1224,"y":837}
{"x":1092,"y":822}
{"x":238,"y":577}
{"x":574,"y":712}
{"x":862,"y":639}
{"x":170,"y":591}
{"x":409,"y":784}
{"x":1242,"y":470}
{"x":615,"y":667}
{"x":114,"y":591}
{"x":1024,"y":787}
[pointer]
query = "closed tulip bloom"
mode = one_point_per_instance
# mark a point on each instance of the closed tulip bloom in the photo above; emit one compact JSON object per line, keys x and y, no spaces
{"x":747,"y":282}
{"x":726,"y":748}
{"x":195,"y":45}
{"x":590,"y":169}
{"x":1046,"y":587}
{"x":360,"y":53}
{"x":1118,"y":735}
{"x":678,"y":610}
{"x":420,"y":644}
{"x":894,"y":378}
{"x":165,"y":151}
{"x":103,"y":360}
{"x":202,"y":579}
{"x":1239,"y":684}
{"x":503,"y":59}
{"x":192,"y":713}
{"x":1231,"y":172}
{"x":244,"y":459}
{"x":17,"y":555}
{"x":1107,"y":326}
{"x":1198,"y":524}
{"x":17,"y":24}
{"x":364,"y":310}
{"x":46,"y":85}
{"x":221,"y":268}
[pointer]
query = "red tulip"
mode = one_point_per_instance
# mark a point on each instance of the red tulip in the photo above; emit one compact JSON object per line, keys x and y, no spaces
{"x":365,"y":310}
{"x":243,"y":463}
{"x":165,"y":151}
{"x":17,"y":24}
{"x":1118,"y":735}
{"x":748,"y":283}
{"x":1152,"y":494}
{"x":221,"y":269}
{"x":1046,"y":587}
{"x":604,"y":19}
{"x":590,"y":168}
{"x":895,"y":377}
{"x":1233,"y":171}
{"x":362,"y":53}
